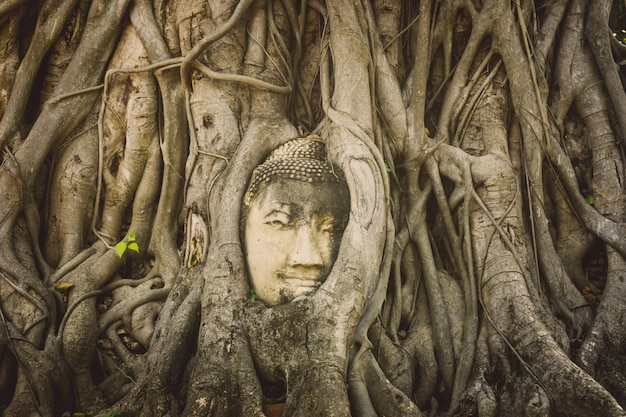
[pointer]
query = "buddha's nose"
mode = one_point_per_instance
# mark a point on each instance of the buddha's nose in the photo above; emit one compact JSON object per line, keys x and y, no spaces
{"x":306,"y":248}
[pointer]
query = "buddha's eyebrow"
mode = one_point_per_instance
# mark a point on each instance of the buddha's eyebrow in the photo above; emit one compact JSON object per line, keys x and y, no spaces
{"x":278,"y":211}
{"x":275,"y":207}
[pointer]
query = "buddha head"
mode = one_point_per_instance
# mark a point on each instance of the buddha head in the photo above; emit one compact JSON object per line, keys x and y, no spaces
{"x":295,"y":210}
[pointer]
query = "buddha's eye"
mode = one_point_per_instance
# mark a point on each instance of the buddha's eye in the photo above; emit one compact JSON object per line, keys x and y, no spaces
{"x":277,"y":223}
{"x":278,"y":220}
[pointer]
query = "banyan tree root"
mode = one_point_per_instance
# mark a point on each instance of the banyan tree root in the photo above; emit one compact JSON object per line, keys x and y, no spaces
{"x":473,"y":309}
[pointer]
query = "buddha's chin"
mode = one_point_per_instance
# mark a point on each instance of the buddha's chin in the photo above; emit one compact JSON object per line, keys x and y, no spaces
{"x":294,"y":291}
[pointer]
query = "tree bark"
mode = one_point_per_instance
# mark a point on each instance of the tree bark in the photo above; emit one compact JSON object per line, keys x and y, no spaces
{"x":481,"y":268}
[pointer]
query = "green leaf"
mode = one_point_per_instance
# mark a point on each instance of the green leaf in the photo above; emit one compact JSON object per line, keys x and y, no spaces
{"x":133,"y":246}
{"x":252,"y":294}
{"x":589,"y":199}
{"x":120,"y":248}
{"x":387,"y":167}
{"x":131,"y":237}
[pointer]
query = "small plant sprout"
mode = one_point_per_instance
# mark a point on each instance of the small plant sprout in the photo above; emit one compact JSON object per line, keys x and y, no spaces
{"x":128,"y":243}
{"x":588,"y":197}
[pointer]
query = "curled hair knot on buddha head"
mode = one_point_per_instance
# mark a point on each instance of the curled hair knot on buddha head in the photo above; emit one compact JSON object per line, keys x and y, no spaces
{"x":300,"y":159}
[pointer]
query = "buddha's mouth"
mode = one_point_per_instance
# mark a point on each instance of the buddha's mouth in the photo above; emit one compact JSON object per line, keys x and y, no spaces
{"x":299,"y":282}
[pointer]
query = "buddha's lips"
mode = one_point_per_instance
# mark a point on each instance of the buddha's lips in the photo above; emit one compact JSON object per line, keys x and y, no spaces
{"x":302,"y":280}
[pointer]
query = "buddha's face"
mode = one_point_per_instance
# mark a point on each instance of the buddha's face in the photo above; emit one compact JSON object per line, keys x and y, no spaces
{"x":292,"y":236}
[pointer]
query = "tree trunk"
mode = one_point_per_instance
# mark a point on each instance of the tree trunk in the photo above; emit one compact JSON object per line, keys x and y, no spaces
{"x":479,"y":272}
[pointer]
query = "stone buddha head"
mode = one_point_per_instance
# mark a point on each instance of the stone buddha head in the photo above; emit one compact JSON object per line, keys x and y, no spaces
{"x":295,"y":210}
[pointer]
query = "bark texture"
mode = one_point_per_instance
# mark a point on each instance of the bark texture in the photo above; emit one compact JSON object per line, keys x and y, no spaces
{"x":482,"y":271}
